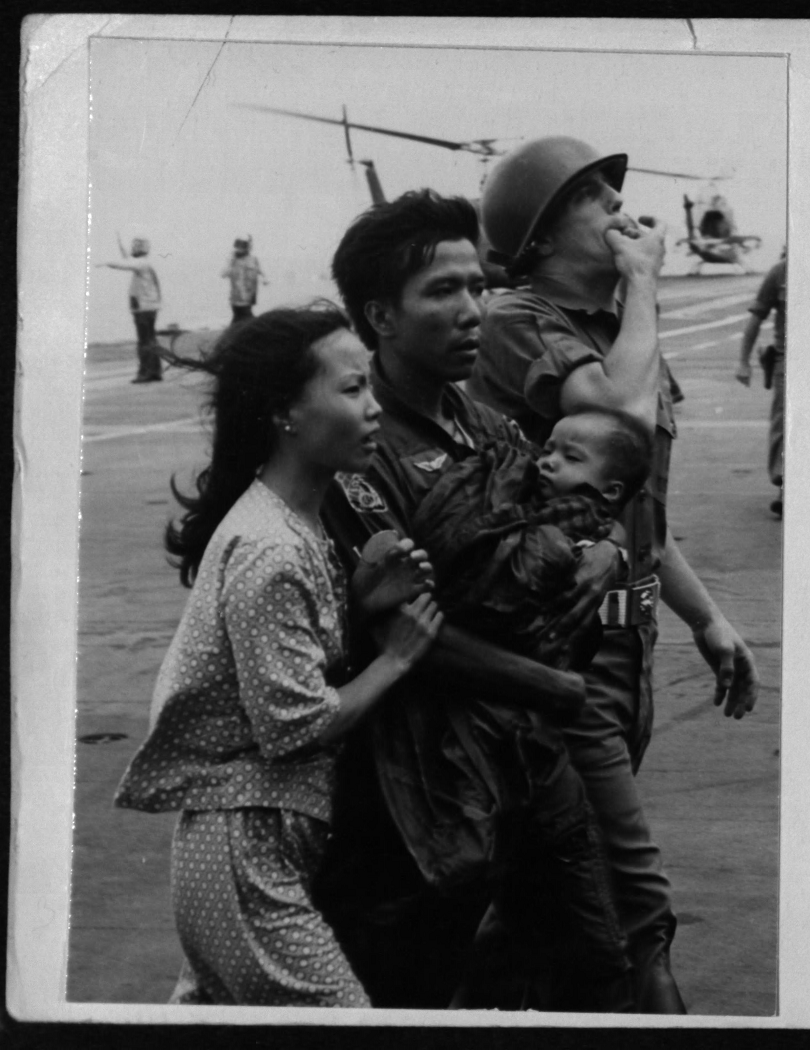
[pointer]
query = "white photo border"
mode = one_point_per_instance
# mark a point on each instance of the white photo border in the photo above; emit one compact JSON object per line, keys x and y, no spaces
{"x":54,"y":211}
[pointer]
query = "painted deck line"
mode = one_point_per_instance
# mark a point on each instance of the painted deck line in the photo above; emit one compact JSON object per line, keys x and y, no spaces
{"x":189,"y":423}
{"x":732,"y":319}
{"x":683,"y":313}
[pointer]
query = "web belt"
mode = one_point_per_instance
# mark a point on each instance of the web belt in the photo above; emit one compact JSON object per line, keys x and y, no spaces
{"x":631,"y":605}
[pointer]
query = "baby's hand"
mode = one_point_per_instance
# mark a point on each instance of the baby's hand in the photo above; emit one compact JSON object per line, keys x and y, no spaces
{"x":390,"y":572}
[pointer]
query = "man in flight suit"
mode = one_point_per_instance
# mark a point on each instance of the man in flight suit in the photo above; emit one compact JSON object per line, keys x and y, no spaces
{"x":564,"y":342}
{"x":503,"y":806}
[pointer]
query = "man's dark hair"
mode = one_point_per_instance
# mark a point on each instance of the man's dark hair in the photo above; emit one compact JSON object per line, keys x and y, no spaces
{"x":629,"y":449}
{"x":390,"y":242}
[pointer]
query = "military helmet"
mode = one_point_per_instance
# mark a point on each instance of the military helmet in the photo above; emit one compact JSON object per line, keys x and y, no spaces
{"x":528,"y":184}
{"x":140,"y":246}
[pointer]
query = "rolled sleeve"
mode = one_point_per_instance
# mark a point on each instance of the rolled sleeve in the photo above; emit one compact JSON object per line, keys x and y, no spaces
{"x":562,"y":354}
{"x":273,"y":622}
{"x":512,"y":347}
{"x":767,"y":296}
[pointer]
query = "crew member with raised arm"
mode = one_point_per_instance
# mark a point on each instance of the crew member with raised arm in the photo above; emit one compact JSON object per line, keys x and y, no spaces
{"x":144,"y":303}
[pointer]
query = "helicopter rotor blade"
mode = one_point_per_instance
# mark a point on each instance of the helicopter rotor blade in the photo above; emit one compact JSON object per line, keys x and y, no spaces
{"x":482,"y":147}
{"x":346,"y":125}
{"x":679,"y":174}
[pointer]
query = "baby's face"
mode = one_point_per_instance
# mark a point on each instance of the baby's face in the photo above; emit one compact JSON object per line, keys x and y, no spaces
{"x":574,"y":455}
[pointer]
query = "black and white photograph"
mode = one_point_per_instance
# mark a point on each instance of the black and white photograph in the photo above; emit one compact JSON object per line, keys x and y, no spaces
{"x":407,"y":524}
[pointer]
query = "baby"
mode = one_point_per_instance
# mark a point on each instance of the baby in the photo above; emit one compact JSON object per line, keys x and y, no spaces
{"x":605,"y":451}
{"x":505,"y":531}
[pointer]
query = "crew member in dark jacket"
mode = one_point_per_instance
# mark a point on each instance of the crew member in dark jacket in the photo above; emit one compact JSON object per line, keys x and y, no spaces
{"x":409,"y":274}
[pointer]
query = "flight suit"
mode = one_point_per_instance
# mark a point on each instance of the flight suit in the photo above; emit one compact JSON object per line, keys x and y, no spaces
{"x":544,"y":866}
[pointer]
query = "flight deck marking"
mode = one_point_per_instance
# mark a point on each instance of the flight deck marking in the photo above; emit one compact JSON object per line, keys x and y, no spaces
{"x":702,"y":327}
{"x":95,"y":384}
{"x":190,"y":423}
{"x":701,"y":290}
{"x":106,"y":370}
{"x":705,"y":305}
{"x":698,"y":346}
{"x":670,"y":354}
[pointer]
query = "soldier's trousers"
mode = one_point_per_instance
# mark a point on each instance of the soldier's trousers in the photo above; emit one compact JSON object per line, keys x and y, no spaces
{"x":606,"y":745}
{"x":776,"y":433}
{"x":149,"y":360}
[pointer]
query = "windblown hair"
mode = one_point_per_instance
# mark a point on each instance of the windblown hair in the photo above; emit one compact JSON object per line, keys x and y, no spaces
{"x":259,"y":369}
{"x":389,"y":243}
{"x":629,"y":449}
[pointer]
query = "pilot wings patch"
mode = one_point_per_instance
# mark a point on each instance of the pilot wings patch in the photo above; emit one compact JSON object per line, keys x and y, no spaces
{"x":361,"y":495}
{"x":430,"y":466}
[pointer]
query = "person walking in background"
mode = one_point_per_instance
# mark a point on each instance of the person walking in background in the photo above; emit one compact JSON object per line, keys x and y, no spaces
{"x":144,"y":303}
{"x":771,"y":296}
{"x":253,"y":697}
{"x":243,"y":270}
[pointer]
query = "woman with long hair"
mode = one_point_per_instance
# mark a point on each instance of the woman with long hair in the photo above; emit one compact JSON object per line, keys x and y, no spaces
{"x":253,"y":697}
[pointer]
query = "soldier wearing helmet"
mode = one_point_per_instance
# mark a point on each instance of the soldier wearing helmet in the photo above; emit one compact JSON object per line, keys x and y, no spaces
{"x":565,"y":341}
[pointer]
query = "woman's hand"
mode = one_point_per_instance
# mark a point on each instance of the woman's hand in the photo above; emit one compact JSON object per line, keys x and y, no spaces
{"x":391,"y":571}
{"x":406,"y":636}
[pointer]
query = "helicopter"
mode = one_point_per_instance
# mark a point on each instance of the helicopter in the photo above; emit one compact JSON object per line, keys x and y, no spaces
{"x":714,"y":238}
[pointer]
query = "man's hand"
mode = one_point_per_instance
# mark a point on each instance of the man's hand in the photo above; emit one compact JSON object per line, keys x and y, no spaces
{"x":638,"y":250}
{"x":573,"y":611}
{"x":390,"y":572}
{"x":743,"y":373}
{"x":736,"y":678}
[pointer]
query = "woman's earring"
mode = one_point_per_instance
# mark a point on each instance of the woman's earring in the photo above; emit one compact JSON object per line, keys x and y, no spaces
{"x":288,"y":428}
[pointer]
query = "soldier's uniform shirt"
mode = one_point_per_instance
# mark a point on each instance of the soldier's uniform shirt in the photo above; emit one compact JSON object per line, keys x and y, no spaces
{"x":529,"y":347}
{"x":244,"y":272}
{"x":144,"y":288}
{"x":772,"y":296}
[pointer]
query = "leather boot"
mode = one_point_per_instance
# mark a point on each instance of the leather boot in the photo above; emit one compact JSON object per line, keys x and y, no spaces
{"x":551,"y":939}
{"x":656,"y":990}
